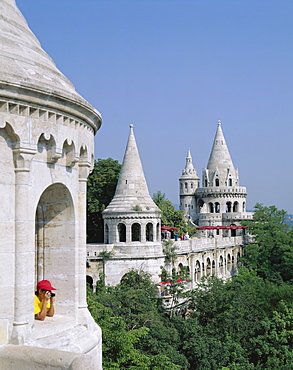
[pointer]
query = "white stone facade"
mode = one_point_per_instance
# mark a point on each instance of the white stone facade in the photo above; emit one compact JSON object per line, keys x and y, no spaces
{"x":220,"y":201}
{"x":46,"y":145}
{"x":208,"y":253}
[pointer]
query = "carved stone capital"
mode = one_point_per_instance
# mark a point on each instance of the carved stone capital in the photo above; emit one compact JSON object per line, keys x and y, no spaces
{"x":22,"y":157}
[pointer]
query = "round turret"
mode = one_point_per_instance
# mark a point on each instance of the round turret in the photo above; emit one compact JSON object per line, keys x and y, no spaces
{"x":188,"y":182}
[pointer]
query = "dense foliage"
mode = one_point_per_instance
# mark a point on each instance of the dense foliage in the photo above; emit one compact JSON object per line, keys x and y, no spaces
{"x":101,"y":189}
{"x":271,"y":254}
{"x":242,"y":324}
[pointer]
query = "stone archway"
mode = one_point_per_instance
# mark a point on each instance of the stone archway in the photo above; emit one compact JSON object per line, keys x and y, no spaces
{"x":55,"y":255}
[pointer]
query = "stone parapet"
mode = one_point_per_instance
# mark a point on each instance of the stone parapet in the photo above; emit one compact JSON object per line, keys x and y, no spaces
{"x":34,"y":358}
{"x":196,"y":245}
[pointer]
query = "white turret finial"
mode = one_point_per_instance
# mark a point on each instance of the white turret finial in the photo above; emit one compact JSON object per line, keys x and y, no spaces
{"x":131,"y":125}
{"x":219,"y":122}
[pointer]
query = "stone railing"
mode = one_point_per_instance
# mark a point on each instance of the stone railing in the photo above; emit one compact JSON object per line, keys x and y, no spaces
{"x":201,"y":244}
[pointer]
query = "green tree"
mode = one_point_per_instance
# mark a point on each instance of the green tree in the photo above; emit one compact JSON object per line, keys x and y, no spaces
{"x":100,"y":191}
{"x":271,"y":254}
{"x":171,"y":216}
{"x":131,"y":310}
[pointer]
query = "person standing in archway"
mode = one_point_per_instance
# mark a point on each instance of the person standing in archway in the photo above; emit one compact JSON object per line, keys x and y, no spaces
{"x":44,"y":300}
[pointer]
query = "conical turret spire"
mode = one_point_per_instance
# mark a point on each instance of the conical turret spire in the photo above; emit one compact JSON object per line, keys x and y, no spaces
{"x":220,"y":157}
{"x":132,"y":192}
{"x":189,"y":170}
{"x":25,"y":68}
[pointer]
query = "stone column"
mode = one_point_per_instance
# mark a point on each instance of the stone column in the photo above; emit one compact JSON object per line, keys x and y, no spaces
{"x":24,"y":247}
{"x":143,"y":232}
{"x":128,"y":233}
{"x":191,"y":269}
{"x":84,"y":168}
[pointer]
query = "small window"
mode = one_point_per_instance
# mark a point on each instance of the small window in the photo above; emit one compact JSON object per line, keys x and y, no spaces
{"x":230,"y":182}
{"x":217,"y":182}
{"x":186,"y":185}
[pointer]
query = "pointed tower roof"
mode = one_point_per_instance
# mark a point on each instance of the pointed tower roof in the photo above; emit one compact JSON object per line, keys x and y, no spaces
{"x":27,"y":71}
{"x":132,"y":193}
{"x":220,"y":157}
{"x":189,"y":171}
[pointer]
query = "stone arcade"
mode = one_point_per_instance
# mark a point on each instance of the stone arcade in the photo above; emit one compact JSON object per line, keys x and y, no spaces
{"x":132,"y":221}
{"x":46,"y":144}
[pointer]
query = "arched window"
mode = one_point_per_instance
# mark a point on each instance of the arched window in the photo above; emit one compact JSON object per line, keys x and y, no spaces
{"x":235,"y":207}
{"x":205,"y":182}
{"x":211,"y":208}
{"x":149,"y":232}
{"x":217,"y":182}
{"x":228,"y":207}
{"x":243,"y":207}
{"x":122,"y":232}
{"x":106,"y":234}
{"x":217,"y":207}
{"x":185,"y":185}
{"x":191,"y":185}
{"x":230,"y":182}
{"x":181,"y":186}
{"x":135,"y":232}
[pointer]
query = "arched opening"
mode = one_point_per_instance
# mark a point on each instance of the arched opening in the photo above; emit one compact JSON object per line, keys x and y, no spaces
{"x":197,"y":273}
{"x":217,"y":207}
{"x":149,"y":232}
{"x":205,"y":183}
{"x":106,"y":234}
{"x":56,"y":244}
{"x":209,"y":266}
{"x":89,"y":281}
{"x":235,"y":207}
{"x":228,"y":207}
{"x":217,"y":182}
{"x":229,"y":267}
{"x":230,"y":182}
{"x":221,"y":265}
{"x":213,"y":267}
{"x":243,"y":207}
{"x":122,"y":232}
{"x":211,"y":207}
{"x":179,"y":269}
{"x":135,"y":232}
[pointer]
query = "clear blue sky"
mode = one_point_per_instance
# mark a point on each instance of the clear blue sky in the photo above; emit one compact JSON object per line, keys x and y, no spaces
{"x":173,"y":68}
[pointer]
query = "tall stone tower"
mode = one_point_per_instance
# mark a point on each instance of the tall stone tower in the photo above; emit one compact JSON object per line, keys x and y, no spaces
{"x":46,"y":152}
{"x":221,"y":200}
{"x":132,"y":221}
{"x":188,"y":183}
